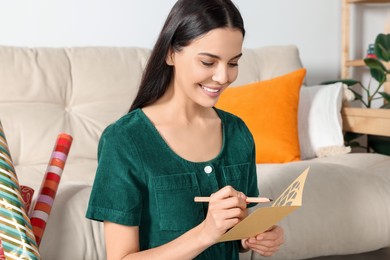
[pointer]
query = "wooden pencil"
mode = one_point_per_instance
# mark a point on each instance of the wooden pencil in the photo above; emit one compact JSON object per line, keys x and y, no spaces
{"x":249,"y":199}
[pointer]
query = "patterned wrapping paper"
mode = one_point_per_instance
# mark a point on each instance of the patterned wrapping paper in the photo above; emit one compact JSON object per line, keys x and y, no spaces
{"x":16,"y":235}
{"x":49,"y":187}
{"x":27,"y":195}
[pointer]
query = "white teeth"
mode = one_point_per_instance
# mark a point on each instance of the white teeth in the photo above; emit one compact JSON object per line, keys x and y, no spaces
{"x":210,"y":89}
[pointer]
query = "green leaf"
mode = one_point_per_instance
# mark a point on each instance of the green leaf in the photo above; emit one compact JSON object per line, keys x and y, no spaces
{"x":374,"y":63}
{"x":377,"y":69}
{"x":348,"y":82}
{"x":382,"y":46}
{"x":386,"y":96}
{"x":379,"y":75}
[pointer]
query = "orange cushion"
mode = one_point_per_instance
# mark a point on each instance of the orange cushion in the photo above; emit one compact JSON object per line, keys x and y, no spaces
{"x":270,"y":110}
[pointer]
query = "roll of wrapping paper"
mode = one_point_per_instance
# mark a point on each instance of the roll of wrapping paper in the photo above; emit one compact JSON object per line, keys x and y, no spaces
{"x":18,"y":240}
{"x":48,"y":189}
{"x":2,"y":256}
{"x":27,"y":195}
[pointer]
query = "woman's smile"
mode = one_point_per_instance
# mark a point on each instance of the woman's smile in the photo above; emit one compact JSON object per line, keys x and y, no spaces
{"x":211,"y":91}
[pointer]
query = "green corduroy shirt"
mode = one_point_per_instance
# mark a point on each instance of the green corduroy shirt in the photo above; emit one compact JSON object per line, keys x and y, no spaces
{"x":141,"y":181}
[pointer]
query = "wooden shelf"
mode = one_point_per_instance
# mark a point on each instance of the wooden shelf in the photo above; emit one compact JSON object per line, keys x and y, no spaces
{"x":360,"y":63}
{"x":355,"y":63}
{"x":366,"y":120}
{"x":367,"y":1}
{"x":346,"y":22}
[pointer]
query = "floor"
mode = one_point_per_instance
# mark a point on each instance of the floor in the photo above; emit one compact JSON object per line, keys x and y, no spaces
{"x":382,"y":254}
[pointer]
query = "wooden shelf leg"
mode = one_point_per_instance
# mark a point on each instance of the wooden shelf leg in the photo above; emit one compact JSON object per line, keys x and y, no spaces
{"x":345,"y":34}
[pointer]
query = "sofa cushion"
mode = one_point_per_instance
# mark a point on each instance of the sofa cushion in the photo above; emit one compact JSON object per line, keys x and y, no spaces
{"x":74,"y":90}
{"x":270,"y":110}
{"x":267,"y":62}
{"x":319,"y":120}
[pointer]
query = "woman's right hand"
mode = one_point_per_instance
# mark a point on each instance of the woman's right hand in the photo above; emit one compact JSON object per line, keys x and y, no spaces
{"x":227,"y":207}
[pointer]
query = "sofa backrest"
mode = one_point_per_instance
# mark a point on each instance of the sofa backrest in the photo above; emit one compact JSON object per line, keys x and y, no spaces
{"x":45,"y":91}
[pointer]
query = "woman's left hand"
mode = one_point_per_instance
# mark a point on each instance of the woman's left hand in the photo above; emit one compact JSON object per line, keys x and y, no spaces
{"x":267,"y":243}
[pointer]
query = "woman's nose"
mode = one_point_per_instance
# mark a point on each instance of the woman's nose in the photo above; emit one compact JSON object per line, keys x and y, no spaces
{"x":221,"y":75}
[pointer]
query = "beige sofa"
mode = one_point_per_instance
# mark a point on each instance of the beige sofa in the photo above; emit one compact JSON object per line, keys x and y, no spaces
{"x":45,"y":91}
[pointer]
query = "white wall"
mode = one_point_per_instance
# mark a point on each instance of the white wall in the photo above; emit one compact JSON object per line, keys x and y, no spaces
{"x":312,"y":25}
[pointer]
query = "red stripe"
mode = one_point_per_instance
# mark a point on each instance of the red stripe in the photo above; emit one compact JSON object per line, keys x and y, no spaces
{"x":48,"y":192}
{"x":64,"y":142}
{"x":37,"y":222}
{"x":53,"y":177}
{"x":62,"y":148}
{"x":38,"y":232}
{"x":66,"y":136}
{"x":53,"y":185}
{"x":38,"y":239}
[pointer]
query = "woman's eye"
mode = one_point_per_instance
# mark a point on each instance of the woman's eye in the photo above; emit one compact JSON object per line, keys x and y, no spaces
{"x":233,"y":64}
{"x":208,"y":64}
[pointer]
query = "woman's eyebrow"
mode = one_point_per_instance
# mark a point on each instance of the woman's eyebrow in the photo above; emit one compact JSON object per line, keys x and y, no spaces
{"x":216,"y":56}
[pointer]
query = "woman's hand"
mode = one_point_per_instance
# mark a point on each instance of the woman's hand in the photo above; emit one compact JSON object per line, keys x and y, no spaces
{"x":227,"y":207}
{"x":267,"y":243}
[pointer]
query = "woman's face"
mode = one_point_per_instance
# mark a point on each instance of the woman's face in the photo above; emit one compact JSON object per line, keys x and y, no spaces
{"x":207,"y":66}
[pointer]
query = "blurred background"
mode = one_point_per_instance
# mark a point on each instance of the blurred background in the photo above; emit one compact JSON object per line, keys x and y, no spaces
{"x":313,"y":25}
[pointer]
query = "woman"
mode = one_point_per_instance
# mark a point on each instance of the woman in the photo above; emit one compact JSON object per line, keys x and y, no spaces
{"x":174,"y":145}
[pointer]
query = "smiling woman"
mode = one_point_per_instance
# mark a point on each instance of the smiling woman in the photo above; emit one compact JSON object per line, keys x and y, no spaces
{"x":213,"y":70}
{"x":185,"y":148}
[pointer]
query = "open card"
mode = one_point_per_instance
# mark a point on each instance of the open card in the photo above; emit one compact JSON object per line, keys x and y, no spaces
{"x":264,"y":218}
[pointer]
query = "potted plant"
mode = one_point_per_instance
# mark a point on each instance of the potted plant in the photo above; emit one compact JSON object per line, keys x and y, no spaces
{"x":378,"y":72}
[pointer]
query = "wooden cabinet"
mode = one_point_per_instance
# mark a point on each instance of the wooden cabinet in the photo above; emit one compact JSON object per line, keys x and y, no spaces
{"x":346,"y":41}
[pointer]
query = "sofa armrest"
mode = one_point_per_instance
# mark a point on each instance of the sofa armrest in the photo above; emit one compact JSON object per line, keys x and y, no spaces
{"x":366,"y":121}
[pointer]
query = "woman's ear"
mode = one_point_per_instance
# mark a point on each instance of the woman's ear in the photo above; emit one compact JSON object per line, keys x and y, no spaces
{"x":169,"y":58}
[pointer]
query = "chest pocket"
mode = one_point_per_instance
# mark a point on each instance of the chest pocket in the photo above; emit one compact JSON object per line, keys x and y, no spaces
{"x":175,"y":202}
{"x":237,"y":176}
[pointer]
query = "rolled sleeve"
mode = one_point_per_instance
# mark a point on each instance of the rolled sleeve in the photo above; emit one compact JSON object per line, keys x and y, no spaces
{"x":116,"y":193}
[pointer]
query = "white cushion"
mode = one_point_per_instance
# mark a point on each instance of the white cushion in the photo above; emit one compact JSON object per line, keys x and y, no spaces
{"x":319,"y":120}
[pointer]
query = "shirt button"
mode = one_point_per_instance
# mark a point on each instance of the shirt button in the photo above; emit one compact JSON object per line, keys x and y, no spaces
{"x":208,"y":169}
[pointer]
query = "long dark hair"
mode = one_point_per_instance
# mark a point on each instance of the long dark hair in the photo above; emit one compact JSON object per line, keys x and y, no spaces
{"x":187,"y":20}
